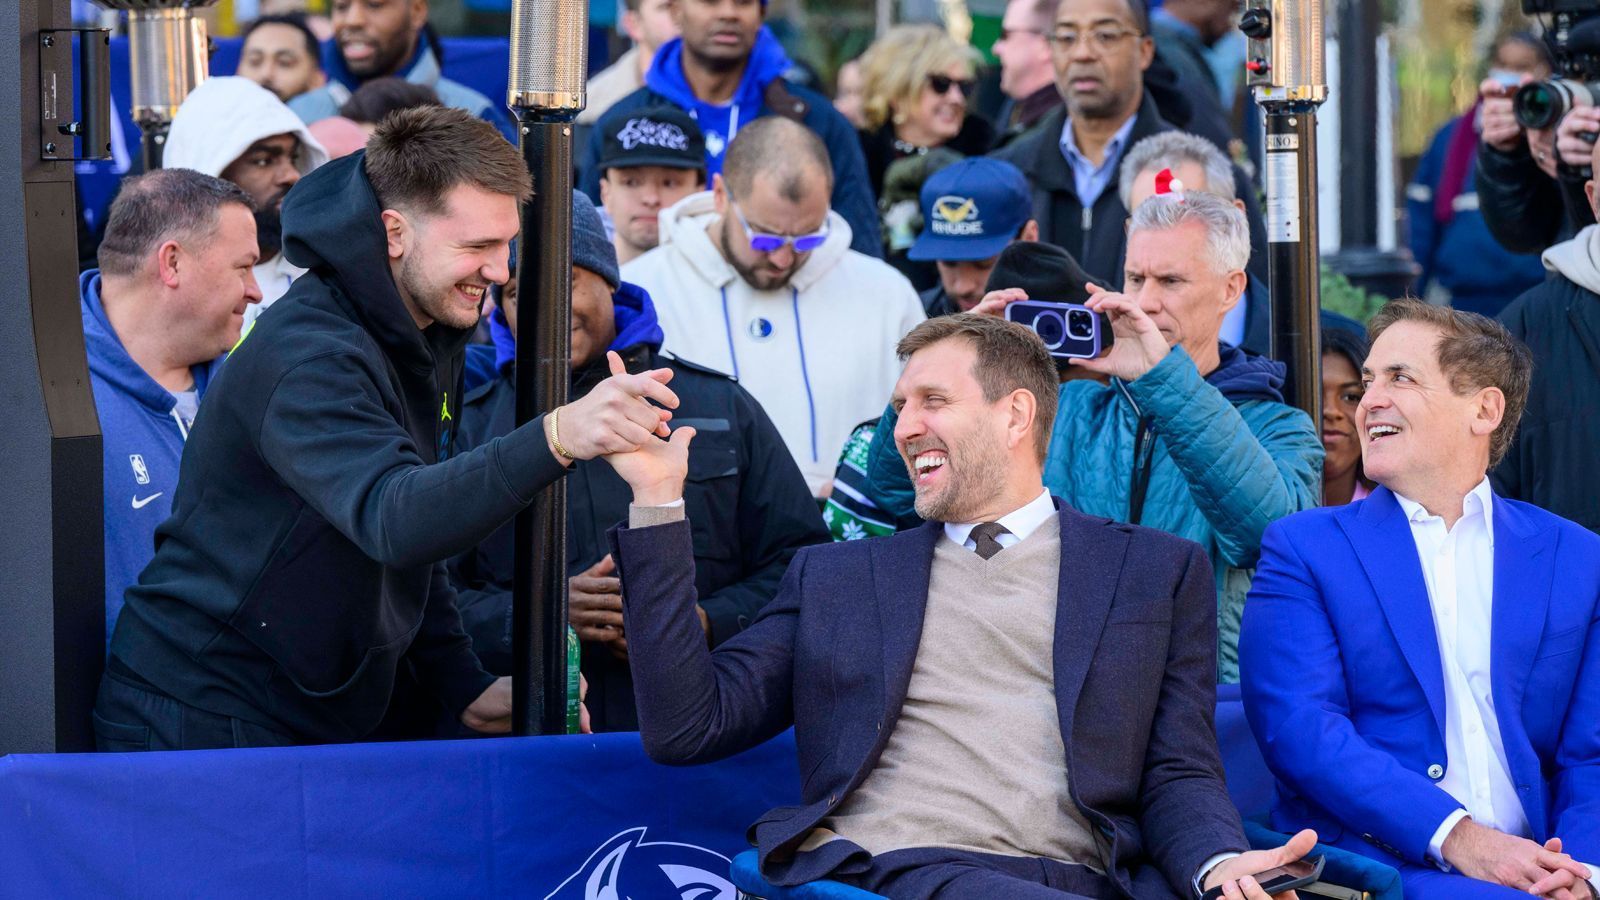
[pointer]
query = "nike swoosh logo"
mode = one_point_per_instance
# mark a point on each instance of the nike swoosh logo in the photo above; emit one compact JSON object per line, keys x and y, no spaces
{"x":142,"y":503}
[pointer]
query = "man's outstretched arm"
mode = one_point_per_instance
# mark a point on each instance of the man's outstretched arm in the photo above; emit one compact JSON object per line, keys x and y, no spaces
{"x":695,"y":705}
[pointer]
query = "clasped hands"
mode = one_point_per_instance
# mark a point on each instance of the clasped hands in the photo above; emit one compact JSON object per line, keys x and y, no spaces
{"x":616,"y":416}
{"x":616,"y":420}
{"x":1478,"y":851}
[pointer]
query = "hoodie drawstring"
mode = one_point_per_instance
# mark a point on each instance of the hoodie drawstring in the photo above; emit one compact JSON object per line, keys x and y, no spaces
{"x":805,"y":376}
{"x":727,"y":324}
{"x":800,"y":343}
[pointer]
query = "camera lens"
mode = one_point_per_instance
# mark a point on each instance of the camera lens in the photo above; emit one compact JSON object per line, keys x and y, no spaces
{"x":1080,"y":324}
{"x":1050,"y":329}
{"x":1541,"y":104}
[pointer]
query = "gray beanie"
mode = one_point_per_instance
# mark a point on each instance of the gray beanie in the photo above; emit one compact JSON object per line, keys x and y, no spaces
{"x":591,"y":249}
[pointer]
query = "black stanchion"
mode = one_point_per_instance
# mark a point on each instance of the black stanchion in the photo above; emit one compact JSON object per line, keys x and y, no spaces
{"x":1293,"y":265}
{"x":549,"y":68}
{"x":544,"y":295}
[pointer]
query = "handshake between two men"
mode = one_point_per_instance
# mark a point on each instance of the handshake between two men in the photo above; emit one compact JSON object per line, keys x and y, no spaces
{"x":616,"y":418}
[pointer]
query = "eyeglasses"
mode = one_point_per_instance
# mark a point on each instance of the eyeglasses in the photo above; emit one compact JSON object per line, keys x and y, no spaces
{"x":941,"y":84}
{"x":1007,"y":34}
{"x":762,"y":242}
{"x":1099,"y":39}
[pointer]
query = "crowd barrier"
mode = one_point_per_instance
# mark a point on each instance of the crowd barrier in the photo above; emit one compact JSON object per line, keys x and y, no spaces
{"x":574,"y":818}
{"x":560,"y":817}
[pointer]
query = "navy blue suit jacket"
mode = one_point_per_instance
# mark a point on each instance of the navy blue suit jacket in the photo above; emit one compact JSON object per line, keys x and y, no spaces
{"x":1134,"y":659}
{"x":1344,"y":688}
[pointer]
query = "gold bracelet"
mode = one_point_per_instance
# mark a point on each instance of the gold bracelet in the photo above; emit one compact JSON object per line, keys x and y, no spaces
{"x":555,"y":433}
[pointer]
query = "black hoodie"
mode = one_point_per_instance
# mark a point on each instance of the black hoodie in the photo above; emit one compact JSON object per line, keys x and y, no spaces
{"x":317,"y":498}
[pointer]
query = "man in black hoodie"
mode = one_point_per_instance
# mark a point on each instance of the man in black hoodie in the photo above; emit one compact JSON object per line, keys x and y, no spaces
{"x":303,"y":563}
{"x":749,"y":504}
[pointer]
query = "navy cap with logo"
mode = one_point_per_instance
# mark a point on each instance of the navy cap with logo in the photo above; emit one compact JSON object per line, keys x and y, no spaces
{"x":972,"y":210}
{"x":651,"y":136}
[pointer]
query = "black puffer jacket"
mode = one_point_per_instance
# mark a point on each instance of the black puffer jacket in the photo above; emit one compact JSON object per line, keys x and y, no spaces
{"x":317,"y":500}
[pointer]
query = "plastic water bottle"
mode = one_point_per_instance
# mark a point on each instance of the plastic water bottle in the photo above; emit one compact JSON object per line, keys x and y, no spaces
{"x":574,"y":704}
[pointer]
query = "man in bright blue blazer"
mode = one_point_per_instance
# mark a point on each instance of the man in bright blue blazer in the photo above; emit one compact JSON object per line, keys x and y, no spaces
{"x":1422,"y":668}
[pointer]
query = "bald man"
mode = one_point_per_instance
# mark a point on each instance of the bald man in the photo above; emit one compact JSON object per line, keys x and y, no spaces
{"x":756,"y":278}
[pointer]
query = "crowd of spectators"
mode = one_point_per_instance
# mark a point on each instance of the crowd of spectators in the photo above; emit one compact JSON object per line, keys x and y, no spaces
{"x":309,"y":315}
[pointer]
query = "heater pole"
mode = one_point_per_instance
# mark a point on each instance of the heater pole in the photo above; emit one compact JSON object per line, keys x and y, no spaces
{"x":1285,"y":67}
{"x":544,"y":276}
{"x":549,"y":71}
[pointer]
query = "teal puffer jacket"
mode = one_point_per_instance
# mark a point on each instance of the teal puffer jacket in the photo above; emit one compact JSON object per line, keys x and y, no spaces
{"x":1227,"y":457}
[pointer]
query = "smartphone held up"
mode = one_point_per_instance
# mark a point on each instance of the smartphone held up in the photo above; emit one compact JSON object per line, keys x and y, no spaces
{"x":1069,"y":330}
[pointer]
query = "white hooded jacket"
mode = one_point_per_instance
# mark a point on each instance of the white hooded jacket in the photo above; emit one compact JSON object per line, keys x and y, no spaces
{"x":818,"y":353}
{"x":1577,"y":259}
{"x":216,"y":124}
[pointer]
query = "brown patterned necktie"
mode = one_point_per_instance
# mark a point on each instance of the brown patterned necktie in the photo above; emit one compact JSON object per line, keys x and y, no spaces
{"x":986,"y":535}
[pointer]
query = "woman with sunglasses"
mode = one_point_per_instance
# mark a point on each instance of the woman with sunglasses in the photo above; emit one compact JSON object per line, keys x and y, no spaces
{"x":916,"y":81}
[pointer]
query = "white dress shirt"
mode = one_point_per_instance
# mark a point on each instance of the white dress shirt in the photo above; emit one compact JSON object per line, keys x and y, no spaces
{"x":1018,"y":524}
{"x":1458,"y":568}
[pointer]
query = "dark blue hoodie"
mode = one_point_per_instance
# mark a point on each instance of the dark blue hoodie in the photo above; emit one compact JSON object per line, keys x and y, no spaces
{"x":142,"y":437}
{"x":719,"y":122}
{"x":1242,"y":376}
{"x":761,"y":86}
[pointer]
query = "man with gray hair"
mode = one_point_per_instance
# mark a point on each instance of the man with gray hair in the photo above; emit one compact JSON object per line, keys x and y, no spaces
{"x":1210,"y":449}
{"x":166,"y":303}
{"x":1197,"y":165}
{"x":1189,"y":435}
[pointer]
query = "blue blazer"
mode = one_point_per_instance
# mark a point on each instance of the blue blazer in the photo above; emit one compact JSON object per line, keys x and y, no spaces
{"x":1344,"y":689}
{"x":831,"y":655}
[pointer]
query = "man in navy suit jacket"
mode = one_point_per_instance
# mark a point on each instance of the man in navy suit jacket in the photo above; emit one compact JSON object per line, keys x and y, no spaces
{"x":983,"y":735}
{"x":1422,"y":668}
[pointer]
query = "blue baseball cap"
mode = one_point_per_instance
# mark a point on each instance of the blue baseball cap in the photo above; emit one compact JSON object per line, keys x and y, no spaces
{"x":972,"y":210}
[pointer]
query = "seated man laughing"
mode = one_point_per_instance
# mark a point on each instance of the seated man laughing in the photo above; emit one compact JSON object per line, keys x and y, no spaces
{"x":1013,"y":700}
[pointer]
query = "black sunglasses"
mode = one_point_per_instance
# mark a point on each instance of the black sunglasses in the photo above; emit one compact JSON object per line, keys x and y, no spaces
{"x":941,"y":84}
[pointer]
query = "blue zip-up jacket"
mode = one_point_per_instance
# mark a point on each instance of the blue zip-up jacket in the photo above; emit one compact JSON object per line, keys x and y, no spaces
{"x":423,"y":69}
{"x":142,"y":438}
{"x":1460,"y":253}
{"x":762,"y":91}
{"x":1227,"y":458}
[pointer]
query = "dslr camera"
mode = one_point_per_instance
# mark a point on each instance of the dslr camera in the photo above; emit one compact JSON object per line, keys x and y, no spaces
{"x":1573,"y":34}
{"x":1069,"y":330}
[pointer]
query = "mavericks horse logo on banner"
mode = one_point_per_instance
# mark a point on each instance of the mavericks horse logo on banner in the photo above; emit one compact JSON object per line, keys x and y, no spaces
{"x":627,"y":866}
